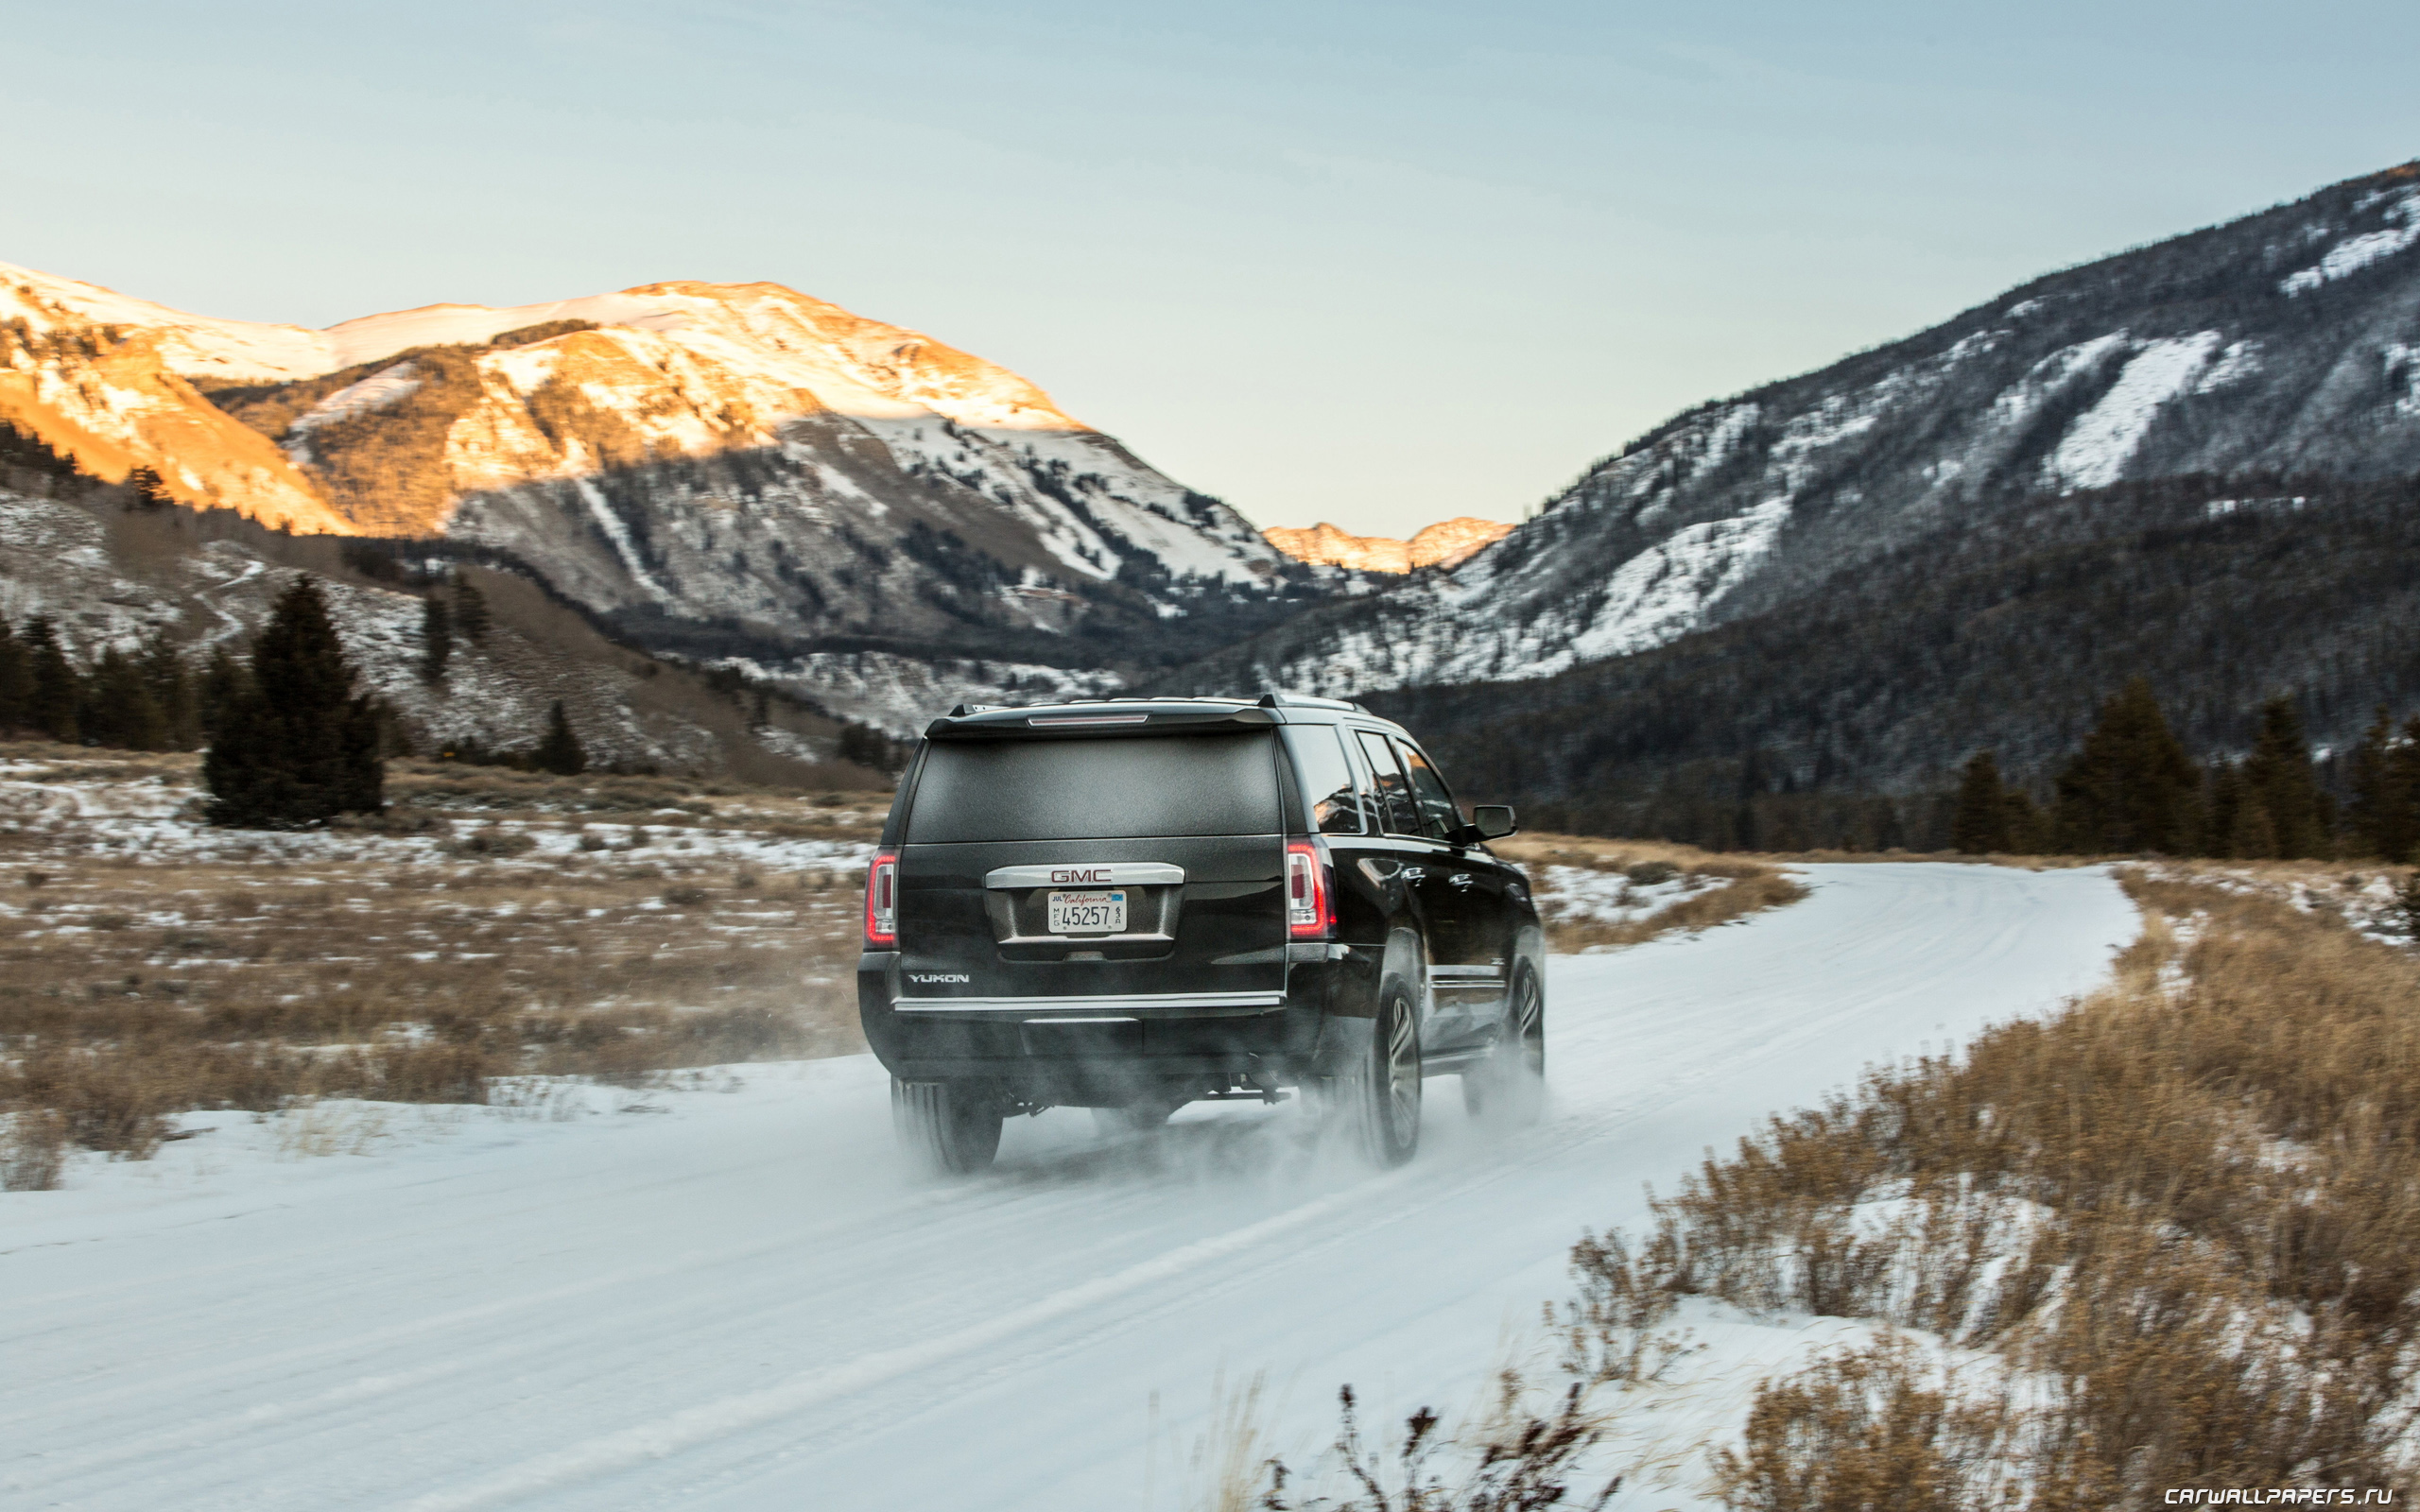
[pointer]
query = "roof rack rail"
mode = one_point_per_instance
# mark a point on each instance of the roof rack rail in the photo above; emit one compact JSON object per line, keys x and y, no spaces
{"x":1274,"y":698}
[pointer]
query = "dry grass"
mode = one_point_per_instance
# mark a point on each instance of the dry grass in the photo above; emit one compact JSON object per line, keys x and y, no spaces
{"x":2187,"y":1209}
{"x":149,"y":967}
{"x":1718,"y":888}
{"x":1517,"y":1459}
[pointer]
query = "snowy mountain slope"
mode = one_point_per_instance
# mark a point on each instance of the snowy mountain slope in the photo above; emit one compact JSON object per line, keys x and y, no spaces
{"x":725,"y":468}
{"x":734,"y":1299}
{"x":110,"y":577}
{"x":2289,"y":341}
{"x":114,"y":395}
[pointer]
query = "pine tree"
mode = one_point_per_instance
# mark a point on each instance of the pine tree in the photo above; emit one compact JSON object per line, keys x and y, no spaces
{"x":2028,"y":832}
{"x":2222,"y":812}
{"x":57,"y":690}
{"x":436,"y":638}
{"x":16,"y":682}
{"x":118,"y":709}
{"x":1980,"y":826}
{"x":150,"y":489}
{"x":470,"y":609}
{"x":2370,"y":818}
{"x":560,"y":752}
{"x":172,"y":688}
{"x":223,"y":682}
{"x":2277,"y":776}
{"x":2403,"y":778}
{"x":295,"y":744}
{"x":2254,"y":834}
{"x":2130,"y":787}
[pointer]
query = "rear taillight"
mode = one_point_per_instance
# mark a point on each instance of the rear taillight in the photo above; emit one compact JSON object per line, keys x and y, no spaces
{"x":882,"y":899}
{"x":1310,"y":891}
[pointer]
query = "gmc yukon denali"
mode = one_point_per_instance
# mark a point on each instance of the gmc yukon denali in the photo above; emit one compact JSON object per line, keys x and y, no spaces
{"x":1133,"y":905}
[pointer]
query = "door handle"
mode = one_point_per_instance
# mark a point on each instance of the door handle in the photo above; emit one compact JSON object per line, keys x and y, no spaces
{"x":1415,"y":873}
{"x":1463,"y":879}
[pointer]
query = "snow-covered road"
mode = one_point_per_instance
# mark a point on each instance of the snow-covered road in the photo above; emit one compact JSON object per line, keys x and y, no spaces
{"x":741,"y":1301}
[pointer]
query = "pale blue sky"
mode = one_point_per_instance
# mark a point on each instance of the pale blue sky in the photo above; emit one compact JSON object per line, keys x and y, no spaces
{"x":1373,"y":264}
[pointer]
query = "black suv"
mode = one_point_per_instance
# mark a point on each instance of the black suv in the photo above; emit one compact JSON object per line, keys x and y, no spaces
{"x":1132,"y":904}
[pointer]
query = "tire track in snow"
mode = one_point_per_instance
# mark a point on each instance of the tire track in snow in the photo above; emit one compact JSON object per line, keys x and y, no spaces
{"x":640,"y":1443}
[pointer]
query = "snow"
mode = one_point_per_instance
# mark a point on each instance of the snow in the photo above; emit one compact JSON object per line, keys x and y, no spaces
{"x":730,"y":1295}
{"x":191,"y":344}
{"x":2094,"y":450}
{"x":2403,"y":369}
{"x":1592,"y":895}
{"x":386,"y":386}
{"x":1664,"y":591}
{"x":373,"y":336}
{"x":2355,"y":253}
{"x":902,"y":695}
{"x":2241,"y":360}
{"x":2047,"y":377}
{"x":609,"y":525}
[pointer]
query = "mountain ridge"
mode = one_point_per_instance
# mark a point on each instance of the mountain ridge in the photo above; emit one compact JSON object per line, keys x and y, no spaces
{"x":2286,"y":340}
{"x":734,"y":471}
{"x":1447,"y":543}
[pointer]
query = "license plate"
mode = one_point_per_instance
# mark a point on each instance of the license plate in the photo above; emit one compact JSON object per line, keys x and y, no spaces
{"x":1088,"y":913}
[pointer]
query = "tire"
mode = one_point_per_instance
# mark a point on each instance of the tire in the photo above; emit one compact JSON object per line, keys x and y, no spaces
{"x":1509,"y":1086}
{"x":1378,"y":1097}
{"x":949,"y":1128}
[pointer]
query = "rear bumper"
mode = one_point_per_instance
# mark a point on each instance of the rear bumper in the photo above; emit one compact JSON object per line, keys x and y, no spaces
{"x":1100,"y":1049}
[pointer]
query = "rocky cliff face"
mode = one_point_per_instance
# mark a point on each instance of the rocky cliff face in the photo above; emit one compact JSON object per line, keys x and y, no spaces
{"x":1446,"y":544}
{"x":2287,"y":341}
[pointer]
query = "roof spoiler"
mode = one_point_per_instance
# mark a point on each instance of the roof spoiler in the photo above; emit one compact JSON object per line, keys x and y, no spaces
{"x":1091,"y":721}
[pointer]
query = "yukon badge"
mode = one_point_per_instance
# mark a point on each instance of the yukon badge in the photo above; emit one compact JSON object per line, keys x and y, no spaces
{"x":937,"y":979}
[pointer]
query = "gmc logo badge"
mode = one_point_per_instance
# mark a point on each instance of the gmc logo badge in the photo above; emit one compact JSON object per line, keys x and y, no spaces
{"x":1081,"y":874}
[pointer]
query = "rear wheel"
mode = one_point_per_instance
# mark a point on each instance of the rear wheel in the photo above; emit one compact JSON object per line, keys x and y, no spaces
{"x":948,"y":1127}
{"x":1380,"y":1096}
{"x":1509,"y":1086}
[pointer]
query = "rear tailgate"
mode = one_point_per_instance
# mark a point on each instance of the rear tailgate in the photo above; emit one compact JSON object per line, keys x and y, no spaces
{"x":1166,"y":854}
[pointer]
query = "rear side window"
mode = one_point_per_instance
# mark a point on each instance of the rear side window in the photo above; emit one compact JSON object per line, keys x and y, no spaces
{"x":1133,"y":787}
{"x":1439,"y":818}
{"x":1394,"y":792}
{"x":1328,"y":784}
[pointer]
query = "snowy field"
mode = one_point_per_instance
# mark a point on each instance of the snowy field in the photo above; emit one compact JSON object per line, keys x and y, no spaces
{"x":731,"y":1295}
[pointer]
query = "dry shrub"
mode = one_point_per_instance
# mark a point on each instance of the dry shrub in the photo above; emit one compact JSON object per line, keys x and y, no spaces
{"x":491,"y":840}
{"x":1520,"y":1461}
{"x":1871,"y":1429}
{"x":1611,"y":1331}
{"x":2189,"y":1204}
{"x":33,"y":1150}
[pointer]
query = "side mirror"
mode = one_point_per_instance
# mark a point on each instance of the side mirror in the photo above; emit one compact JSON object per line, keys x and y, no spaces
{"x":1494,"y":821}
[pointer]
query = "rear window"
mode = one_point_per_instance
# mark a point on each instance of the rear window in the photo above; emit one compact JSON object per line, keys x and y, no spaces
{"x":1095,"y":789}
